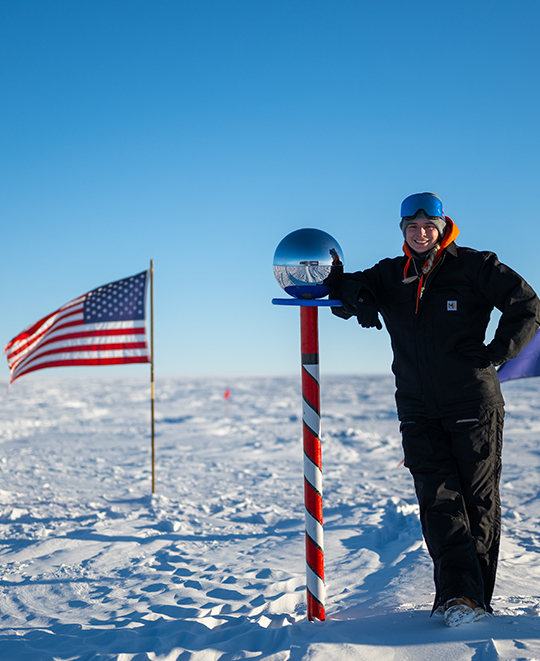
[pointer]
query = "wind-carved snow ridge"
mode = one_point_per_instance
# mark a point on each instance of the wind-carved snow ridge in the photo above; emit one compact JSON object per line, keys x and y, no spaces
{"x":212,"y":567}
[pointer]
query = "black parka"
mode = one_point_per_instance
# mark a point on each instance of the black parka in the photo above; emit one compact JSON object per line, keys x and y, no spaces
{"x":432,"y":377}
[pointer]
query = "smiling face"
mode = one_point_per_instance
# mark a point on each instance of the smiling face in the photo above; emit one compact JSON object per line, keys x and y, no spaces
{"x":421,"y":235}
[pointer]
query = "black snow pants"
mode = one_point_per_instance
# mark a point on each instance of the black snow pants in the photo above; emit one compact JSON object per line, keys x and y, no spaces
{"x":456,"y":466}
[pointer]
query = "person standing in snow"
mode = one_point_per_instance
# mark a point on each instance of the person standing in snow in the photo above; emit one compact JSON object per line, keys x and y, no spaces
{"x":436,"y":302}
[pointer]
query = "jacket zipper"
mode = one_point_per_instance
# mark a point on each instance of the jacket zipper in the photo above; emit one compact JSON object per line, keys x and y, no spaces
{"x":423,"y":284}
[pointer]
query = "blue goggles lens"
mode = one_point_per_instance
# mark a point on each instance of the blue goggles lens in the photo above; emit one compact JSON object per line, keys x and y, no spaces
{"x":430,"y":203}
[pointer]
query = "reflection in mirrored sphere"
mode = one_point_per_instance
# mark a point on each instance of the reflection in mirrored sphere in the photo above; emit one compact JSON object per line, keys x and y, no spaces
{"x":303,"y":260}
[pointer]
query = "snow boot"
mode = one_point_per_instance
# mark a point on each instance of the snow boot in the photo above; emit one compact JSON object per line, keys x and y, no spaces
{"x":462,"y":610}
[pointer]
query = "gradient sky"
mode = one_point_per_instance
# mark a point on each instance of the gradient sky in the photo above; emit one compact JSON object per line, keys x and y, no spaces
{"x":199,"y":133}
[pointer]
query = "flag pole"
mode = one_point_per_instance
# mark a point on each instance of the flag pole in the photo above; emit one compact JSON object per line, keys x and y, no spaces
{"x":152,"y":385}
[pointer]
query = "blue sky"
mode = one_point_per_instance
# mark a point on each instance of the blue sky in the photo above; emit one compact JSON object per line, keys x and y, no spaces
{"x":199,"y":133}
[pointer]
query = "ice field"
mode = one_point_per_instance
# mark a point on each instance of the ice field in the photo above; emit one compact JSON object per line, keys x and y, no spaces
{"x":212,"y":566}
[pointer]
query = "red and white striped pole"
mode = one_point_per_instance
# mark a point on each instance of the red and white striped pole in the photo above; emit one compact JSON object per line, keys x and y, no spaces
{"x":308,"y":264}
{"x":311,"y":423}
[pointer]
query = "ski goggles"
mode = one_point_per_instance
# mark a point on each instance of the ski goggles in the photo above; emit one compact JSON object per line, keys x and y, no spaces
{"x":429,"y":203}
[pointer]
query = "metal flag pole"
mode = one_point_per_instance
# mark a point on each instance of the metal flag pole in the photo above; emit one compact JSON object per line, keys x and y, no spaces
{"x":152,"y":383}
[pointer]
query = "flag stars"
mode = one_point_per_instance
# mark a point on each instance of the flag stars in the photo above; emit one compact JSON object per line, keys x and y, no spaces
{"x":118,"y":301}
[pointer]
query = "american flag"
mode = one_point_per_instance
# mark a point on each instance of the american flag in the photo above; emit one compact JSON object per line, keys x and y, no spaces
{"x":106,"y":326}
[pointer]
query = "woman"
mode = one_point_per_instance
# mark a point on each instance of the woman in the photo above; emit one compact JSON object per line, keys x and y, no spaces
{"x":436,"y":302}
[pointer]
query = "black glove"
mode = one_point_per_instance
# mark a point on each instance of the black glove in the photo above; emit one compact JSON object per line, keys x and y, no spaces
{"x":340,"y":311}
{"x":347,"y":292}
{"x":366,"y":311}
{"x":474,"y":349}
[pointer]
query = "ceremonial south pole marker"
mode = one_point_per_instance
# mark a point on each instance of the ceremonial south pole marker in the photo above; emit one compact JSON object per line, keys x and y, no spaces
{"x":303,"y":261}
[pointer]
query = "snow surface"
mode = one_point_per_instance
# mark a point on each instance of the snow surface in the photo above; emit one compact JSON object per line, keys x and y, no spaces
{"x":212,"y":567}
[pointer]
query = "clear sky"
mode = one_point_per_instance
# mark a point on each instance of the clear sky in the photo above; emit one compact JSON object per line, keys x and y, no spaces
{"x":199,"y":133}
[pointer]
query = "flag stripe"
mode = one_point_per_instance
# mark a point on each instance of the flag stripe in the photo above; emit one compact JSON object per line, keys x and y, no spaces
{"x":55,"y":328}
{"x":30,"y":344}
{"x":109,"y":347}
{"x":68,"y":357}
{"x":130,"y":334}
{"x":114,"y":334}
{"x":51,"y":322}
{"x":41,"y":324}
{"x":85,"y":361}
{"x":85,"y":358}
{"x":103,"y":327}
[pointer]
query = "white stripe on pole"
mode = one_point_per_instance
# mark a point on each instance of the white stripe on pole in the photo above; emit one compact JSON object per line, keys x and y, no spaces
{"x":313,"y":474}
{"x":315,"y":585}
{"x":314,"y":530}
{"x":311,"y":418}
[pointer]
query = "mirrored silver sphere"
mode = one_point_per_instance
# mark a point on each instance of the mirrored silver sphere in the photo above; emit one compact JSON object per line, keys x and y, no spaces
{"x":303,"y":260}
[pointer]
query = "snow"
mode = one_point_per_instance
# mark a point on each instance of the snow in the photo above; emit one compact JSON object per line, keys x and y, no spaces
{"x":212,"y":566}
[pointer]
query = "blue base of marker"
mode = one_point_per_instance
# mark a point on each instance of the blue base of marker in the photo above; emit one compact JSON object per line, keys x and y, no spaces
{"x":308,"y":302}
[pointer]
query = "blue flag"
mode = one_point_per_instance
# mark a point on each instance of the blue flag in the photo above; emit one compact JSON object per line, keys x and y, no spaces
{"x":527,"y":363}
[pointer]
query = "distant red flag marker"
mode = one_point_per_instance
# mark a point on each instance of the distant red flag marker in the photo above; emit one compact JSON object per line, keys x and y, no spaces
{"x":227,"y":393}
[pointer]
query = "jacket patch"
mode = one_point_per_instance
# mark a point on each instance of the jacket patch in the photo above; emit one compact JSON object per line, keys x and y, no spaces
{"x":451,"y":305}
